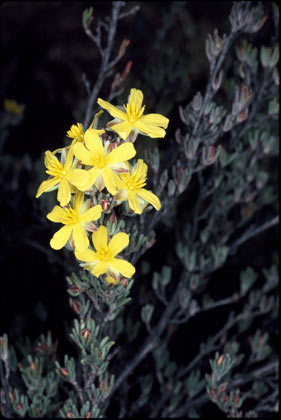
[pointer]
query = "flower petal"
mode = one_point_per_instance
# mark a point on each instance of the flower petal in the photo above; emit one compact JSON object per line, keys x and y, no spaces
{"x":56,"y":215}
{"x":113,"y":110}
{"x":149,"y":130}
{"x":121,"y":153}
{"x":109,"y":178}
{"x":47,"y":185}
{"x":135,"y":99}
{"x":64,"y":194}
{"x":156,"y":120}
{"x":150,"y":198}
{"x":100,"y":238}
{"x":80,"y":239}
{"x":118,"y":242}
{"x":87,"y":255}
{"x":124,"y":267}
{"x":134,"y":202}
{"x":93,"y":141}
{"x":69,"y":159}
{"x":123,"y":129}
{"x":140,"y":171}
{"x":99,"y":268}
{"x":78,"y":201}
{"x":79,"y":178}
{"x":61,"y":237}
{"x":83,"y":154}
{"x":94,"y":213}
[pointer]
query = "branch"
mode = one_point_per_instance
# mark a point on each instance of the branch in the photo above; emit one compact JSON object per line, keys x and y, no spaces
{"x":253,"y":232}
{"x":106,"y":53}
{"x":150,"y":342}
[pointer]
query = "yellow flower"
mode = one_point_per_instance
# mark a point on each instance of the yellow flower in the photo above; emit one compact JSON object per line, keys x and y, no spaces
{"x":104,"y":259}
{"x":132,"y":119}
{"x":104,"y":164}
{"x":75,"y":220}
{"x":130,"y":186}
{"x":76,"y":132}
{"x":13,"y":107}
{"x":65,"y":174}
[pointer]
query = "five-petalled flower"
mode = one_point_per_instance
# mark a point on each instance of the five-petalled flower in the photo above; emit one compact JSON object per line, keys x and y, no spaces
{"x":130,"y":186}
{"x":65,"y":175}
{"x":104,"y":165}
{"x":75,"y":220}
{"x":103,"y":260}
{"x":132,"y":118}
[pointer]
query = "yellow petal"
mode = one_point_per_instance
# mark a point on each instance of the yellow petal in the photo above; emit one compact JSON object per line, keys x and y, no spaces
{"x":149,"y":197}
{"x":123,"y":129}
{"x":156,"y":120}
{"x":100,"y":238}
{"x":78,"y":201}
{"x":50,"y":160}
{"x":109,"y":178}
{"x":135,"y":99}
{"x":64,"y":194}
{"x":61,"y":237}
{"x":69,"y":159}
{"x":87,"y":255}
{"x":113,"y":110}
{"x":56,"y":215}
{"x":93,"y":141}
{"x":99,"y":268}
{"x":121,"y":153}
{"x":79,"y":178}
{"x":140,"y":171}
{"x":124,"y":267}
{"x":47,"y":185}
{"x":118,"y":242}
{"x":94,"y":213}
{"x":80,"y":239}
{"x":83,"y":154}
{"x":149,"y":130}
{"x":111,"y":280}
{"x":134,"y":202}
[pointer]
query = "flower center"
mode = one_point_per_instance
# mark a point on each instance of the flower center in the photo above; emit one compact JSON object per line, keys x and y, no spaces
{"x":56,"y":169}
{"x":70,"y":216}
{"x":133,"y":112}
{"x":133,"y":183}
{"x":99,"y":160}
{"x":105,"y":254}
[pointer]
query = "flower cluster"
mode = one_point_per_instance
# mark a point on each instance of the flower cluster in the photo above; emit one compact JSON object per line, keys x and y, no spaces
{"x":94,"y":161}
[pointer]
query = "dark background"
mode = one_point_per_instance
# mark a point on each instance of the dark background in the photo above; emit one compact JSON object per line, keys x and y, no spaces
{"x":43,"y":53}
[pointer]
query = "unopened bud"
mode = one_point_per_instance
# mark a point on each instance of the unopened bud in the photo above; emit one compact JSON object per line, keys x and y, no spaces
{"x":85,"y":333}
{"x":88,"y":415}
{"x":75,"y":306}
{"x":210,"y":154}
{"x":220,"y":360}
{"x":73,"y":290}
{"x":113,"y":218}
{"x":213,"y":393}
{"x":216,"y":83}
{"x":105,"y":204}
{"x":33,"y":366}
{"x":64,"y":372}
{"x":222,"y":387}
{"x":70,"y":415}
